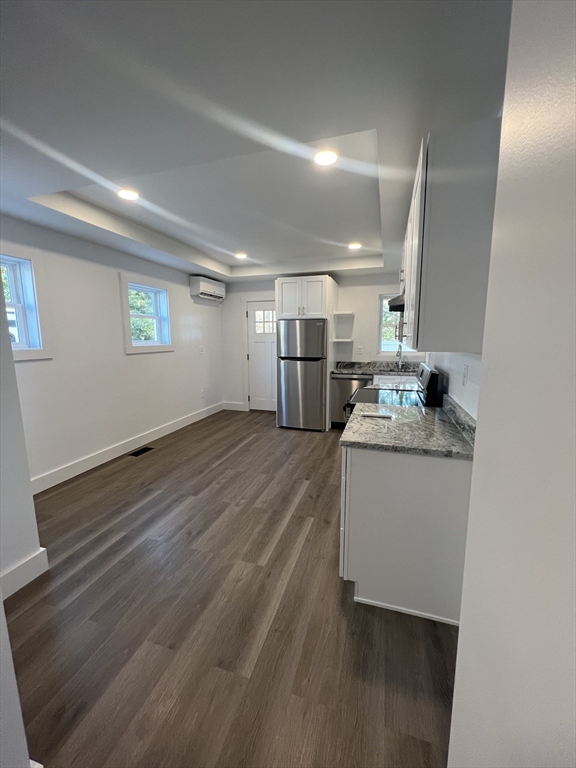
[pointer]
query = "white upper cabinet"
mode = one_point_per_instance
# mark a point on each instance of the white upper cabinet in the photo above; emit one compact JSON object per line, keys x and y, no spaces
{"x":411,"y":255}
{"x":314,"y":296}
{"x":288,"y":303}
{"x":449,"y":238}
{"x":301,"y":297}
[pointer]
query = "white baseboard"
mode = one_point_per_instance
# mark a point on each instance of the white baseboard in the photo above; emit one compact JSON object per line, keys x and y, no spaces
{"x":406,"y":610}
{"x":17,"y":576}
{"x":42,"y":482}
{"x":232,"y":406}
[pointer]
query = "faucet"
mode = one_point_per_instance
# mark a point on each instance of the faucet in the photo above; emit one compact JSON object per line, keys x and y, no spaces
{"x":399,"y":356}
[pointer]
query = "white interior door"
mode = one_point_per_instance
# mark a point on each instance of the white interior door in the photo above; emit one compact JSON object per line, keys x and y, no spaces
{"x":262,"y":355}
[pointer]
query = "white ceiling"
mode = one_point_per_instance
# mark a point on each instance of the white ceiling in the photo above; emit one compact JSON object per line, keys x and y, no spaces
{"x":276,"y":207}
{"x":212,"y":110}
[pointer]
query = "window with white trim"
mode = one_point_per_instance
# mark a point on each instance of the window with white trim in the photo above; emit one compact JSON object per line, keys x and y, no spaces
{"x":149,"y":319}
{"x":389,"y":328}
{"x":21,"y":303}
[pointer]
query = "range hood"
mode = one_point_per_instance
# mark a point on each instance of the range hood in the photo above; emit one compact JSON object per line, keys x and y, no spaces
{"x":396,"y":304}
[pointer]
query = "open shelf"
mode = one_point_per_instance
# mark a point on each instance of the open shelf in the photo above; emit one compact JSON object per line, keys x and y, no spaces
{"x":343,"y":328}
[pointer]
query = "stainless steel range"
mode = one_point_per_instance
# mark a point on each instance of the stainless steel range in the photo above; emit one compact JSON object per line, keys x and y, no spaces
{"x":423,"y":389}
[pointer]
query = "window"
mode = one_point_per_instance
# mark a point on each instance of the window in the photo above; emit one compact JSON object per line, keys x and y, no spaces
{"x":21,"y":303}
{"x":146,"y":317}
{"x":265,"y":321}
{"x":389,"y":330}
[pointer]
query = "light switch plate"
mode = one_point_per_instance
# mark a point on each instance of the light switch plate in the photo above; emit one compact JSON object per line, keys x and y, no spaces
{"x":201,"y":350}
{"x":465,"y":376}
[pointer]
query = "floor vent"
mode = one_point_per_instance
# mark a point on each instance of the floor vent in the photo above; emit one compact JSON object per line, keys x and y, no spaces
{"x":140,"y":451}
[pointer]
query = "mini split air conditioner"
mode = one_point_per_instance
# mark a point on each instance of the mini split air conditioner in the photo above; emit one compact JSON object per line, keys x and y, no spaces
{"x":207,"y":289}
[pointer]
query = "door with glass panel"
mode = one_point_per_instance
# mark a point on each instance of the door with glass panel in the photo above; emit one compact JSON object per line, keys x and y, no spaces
{"x":262,"y":355}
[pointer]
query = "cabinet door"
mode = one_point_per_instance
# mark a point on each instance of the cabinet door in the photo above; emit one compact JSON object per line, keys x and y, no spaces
{"x":403,"y":269}
{"x":288,"y":302}
{"x":314,"y":296}
{"x":414,"y":256}
{"x":407,"y":266}
{"x":460,"y":179}
{"x":345,"y":487}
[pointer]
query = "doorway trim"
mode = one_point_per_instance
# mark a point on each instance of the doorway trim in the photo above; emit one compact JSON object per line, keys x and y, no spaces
{"x":272,"y":304}
{"x":245,"y":298}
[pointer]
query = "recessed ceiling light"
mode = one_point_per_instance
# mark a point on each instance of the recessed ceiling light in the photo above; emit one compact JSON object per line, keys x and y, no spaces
{"x":241,"y":255}
{"x":354,"y":246}
{"x":325,"y":157}
{"x":128,"y":194}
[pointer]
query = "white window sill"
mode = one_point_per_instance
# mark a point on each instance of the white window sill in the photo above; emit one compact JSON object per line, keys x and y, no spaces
{"x":21,"y":355}
{"x":147,"y":349}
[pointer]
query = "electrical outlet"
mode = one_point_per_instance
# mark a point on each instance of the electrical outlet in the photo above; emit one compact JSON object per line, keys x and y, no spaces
{"x":465,"y":376}
{"x":202,"y":394}
{"x":201,"y":350}
{"x":360,"y":349}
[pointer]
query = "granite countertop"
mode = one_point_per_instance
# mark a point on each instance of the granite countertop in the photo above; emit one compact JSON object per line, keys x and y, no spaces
{"x":364,"y":372}
{"x":350,"y":372}
{"x":379,"y":368}
{"x":417,"y":430}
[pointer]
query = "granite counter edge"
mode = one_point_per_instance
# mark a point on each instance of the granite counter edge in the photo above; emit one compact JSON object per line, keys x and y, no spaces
{"x":413,"y":450}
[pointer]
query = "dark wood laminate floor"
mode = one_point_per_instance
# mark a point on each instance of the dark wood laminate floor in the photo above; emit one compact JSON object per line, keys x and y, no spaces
{"x":193,"y":616}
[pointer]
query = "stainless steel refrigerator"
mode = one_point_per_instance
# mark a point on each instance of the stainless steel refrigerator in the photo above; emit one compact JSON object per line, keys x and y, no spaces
{"x":302,"y":374}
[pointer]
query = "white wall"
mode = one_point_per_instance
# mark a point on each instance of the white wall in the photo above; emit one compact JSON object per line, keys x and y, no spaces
{"x":451,"y":364}
{"x":21,"y":557}
{"x":361,"y":296}
{"x":92,"y":402}
{"x":514,"y":704}
{"x":13,"y":747}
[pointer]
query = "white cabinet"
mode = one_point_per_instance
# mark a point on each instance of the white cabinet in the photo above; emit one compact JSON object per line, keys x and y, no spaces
{"x":308,"y":296}
{"x":411,"y":256}
{"x":315,"y":296}
{"x":446,"y":254}
{"x":403,"y":530}
{"x":288,"y":302}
